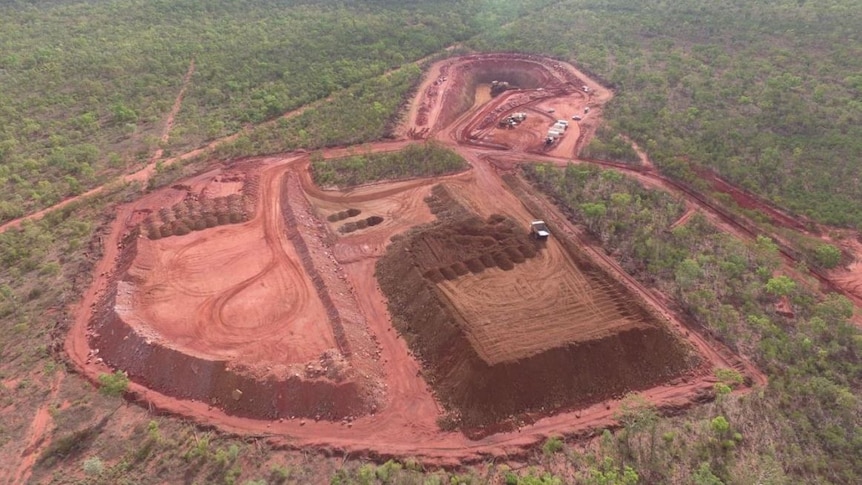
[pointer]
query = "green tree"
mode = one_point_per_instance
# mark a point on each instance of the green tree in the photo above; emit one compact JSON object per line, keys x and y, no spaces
{"x":719,"y":425}
{"x":827,"y":256}
{"x":93,"y":466}
{"x":114,"y":384}
{"x":593,"y":213}
{"x":704,"y":476}
{"x":780,"y":286}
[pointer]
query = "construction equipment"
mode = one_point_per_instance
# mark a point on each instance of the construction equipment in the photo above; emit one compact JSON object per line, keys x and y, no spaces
{"x":539,"y":229}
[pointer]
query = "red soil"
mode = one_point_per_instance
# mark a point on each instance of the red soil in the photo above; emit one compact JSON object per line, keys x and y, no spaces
{"x":296,"y":251}
{"x":38,"y":436}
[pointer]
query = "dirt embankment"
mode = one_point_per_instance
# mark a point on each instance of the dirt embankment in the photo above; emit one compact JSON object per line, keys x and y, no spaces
{"x":231,"y":387}
{"x":479,"y":394}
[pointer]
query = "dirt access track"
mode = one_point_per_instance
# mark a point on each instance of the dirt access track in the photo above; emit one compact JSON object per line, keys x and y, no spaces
{"x":251,"y":299}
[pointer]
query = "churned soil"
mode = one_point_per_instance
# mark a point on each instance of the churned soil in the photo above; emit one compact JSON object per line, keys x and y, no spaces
{"x":248,"y":296}
{"x":505,"y":324}
{"x":238,"y":316}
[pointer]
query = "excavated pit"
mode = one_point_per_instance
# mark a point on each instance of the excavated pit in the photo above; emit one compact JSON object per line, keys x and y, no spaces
{"x":215,"y":381}
{"x":521,"y":72}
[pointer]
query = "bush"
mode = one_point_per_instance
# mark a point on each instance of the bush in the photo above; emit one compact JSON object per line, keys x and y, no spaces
{"x":279,"y":474}
{"x":114,"y":384}
{"x":93,"y":466}
{"x":827,"y":256}
{"x":552,"y":445}
{"x":385,"y":471}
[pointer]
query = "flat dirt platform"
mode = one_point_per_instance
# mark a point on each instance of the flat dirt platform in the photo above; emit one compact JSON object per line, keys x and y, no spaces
{"x":229,"y":293}
{"x":540,"y":304}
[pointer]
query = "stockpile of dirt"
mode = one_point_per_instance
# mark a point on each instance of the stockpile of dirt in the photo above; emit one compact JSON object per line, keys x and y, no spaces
{"x":479,"y":394}
{"x":360,"y":224}
{"x":470,"y":245}
{"x":199,"y":212}
{"x":233,"y":388}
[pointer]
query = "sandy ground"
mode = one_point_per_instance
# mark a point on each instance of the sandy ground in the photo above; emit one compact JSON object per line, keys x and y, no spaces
{"x":262,"y":265}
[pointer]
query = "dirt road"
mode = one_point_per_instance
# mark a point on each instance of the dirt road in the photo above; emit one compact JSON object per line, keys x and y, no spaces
{"x":405,"y":424}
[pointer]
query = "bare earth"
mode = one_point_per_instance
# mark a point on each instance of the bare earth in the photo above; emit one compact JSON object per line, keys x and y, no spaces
{"x":288,"y":300}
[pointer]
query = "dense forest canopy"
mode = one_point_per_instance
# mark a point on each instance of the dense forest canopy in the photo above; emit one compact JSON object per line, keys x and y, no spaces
{"x":768,"y":94}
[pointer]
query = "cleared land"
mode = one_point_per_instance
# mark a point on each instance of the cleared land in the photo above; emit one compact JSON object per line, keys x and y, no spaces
{"x":248,"y":295}
{"x":537,"y":305}
{"x":507,"y":325}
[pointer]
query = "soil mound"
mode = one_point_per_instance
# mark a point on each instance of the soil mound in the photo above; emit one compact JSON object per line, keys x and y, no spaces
{"x":480,"y":389}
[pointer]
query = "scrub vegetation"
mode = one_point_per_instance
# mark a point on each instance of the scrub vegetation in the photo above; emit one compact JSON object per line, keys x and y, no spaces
{"x":767,"y":94}
{"x":418,"y":160}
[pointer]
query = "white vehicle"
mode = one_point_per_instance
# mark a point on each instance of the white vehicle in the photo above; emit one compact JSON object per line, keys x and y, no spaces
{"x":539,"y":229}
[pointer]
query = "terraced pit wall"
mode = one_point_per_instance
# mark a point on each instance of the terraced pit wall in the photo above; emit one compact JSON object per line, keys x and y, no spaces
{"x":174,"y":373}
{"x":520,"y":73}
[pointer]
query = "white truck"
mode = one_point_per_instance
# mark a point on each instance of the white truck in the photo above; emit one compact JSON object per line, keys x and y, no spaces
{"x":539,"y":229}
